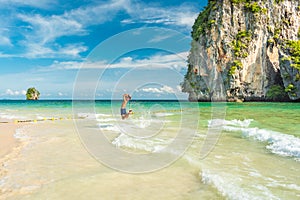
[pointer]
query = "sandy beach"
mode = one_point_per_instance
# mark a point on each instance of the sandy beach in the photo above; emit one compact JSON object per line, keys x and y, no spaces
{"x":47,"y":168}
{"x":8,"y":144}
{"x":45,"y":159}
{"x":7,"y":140}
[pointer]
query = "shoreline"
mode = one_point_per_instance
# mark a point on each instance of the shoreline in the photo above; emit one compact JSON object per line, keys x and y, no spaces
{"x":9,"y":145}
{"x":7,"y":140}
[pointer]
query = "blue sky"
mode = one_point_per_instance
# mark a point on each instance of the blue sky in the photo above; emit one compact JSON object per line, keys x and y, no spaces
{"x":134,"y":46}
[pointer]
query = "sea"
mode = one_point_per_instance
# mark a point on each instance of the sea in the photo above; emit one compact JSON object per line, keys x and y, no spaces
{"x":164,"y":150}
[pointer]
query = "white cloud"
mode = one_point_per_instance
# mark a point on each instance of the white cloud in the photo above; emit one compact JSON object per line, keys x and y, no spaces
{"x":5,"y":41}
{"x":127,"y":59}
{"x":41,"y":31}
{"x":60,"y":78}
{"x":153,"y":90}
{"x":167,"y":89}
{"x":3,"y":55}
{"x":159,"y":38}
{"x":40,"y":40}
{"x":74,"y":22}
{"x":182,"y":15}
{"x":179,"y":88}
{"x":49,"y":28}
{"x":37,"y":50}
{"x":162,"y":90}
{"x":15,"y":93}
{"x":98,"y":13}
{"x":9,"y":92}
{"x":186,"y":19}
{"x":31,"y":3}
{"x":172,"y":61}
{"x":63,"y":95}
{"x":72,"y":50}
{"x":5,"y":22}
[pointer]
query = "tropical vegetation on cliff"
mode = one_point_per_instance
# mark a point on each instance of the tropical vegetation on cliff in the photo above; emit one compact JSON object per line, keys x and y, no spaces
{"x":245,"y":50}
{"x":32,"y":94}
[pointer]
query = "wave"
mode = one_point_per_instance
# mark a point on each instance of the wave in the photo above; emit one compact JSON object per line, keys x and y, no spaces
{"x":11,"y":116}
{"x":102,"y":115}
{"x":149,"y":145}
{"x":235,"y":122}
{"x":92,"y":115}
{"x":106,"y":119}
{"x":278,"y":143}
{"x":109,"y":127}
{"x":163,"y":114}
{"x":142,"y":122}
{"x":233,"y":189}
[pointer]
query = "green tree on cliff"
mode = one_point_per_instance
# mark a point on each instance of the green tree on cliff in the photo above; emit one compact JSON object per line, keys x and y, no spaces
{"x":32,"y":94}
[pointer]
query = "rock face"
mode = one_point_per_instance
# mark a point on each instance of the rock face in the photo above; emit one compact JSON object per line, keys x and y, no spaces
{"x":32,"y":94}
{"x":245,"y":50}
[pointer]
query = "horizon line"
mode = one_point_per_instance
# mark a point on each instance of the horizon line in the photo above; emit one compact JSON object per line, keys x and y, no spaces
{"x":93,"y":100}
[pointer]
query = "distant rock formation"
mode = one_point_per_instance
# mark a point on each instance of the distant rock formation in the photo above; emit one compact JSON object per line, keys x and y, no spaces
{"x":245,"y":50}
{"x":32,"y":94}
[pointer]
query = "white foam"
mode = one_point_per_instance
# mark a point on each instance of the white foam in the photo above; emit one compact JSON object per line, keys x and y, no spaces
{"x":278,"y":143}
{"x":235,"y":122}
{"x":297,"y":159}
{"x":233,"y":188}
{"x":92,"y":115}
{"x":292,"y":186}
{"x":142,"y":122}
{"x":192,"y":160}
{"x":255,"y":174}
{"x":163,"y":114}
{"x":41,"y":117}
{"x":109,"y":127}
{"x":86,"y":115}
{"x":106,"y":120}
{"x":20,"y":134}
{"x":149,"y":145}
{"x":10,"y":116}
{"x":102,"y":115}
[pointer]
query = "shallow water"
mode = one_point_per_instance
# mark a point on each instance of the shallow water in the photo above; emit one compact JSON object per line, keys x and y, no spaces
{"x":257,"y":154}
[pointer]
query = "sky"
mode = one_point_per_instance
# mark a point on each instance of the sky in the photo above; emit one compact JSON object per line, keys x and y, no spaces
{"x":95,"y":48}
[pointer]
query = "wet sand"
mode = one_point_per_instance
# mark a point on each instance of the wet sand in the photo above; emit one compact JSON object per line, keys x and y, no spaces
{"x":55,"y":165}
{"x":8,"y":143}
{"x":7,"y":140}
{"x":49,"y":160}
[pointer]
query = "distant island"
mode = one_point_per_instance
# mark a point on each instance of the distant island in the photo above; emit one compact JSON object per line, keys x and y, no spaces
{"x":32,"y":94}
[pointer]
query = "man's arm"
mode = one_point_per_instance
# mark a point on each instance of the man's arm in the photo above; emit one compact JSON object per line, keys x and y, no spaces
{"x":123,"y":106}
{"x":124,"y":103}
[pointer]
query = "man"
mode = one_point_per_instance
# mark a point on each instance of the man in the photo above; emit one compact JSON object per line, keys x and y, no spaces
{"x":124,"y":114}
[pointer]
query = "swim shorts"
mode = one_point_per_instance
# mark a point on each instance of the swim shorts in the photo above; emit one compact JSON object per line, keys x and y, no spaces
{"x":123,"y":111}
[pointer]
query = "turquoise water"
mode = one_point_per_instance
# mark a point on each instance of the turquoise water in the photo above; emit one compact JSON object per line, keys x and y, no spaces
{"x":282,"y":117}
{"x":256,"y":154}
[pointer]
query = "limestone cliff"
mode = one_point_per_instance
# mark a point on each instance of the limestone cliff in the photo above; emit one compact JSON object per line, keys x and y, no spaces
{"x":245,"y":50}
{"x":32,"y":94}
